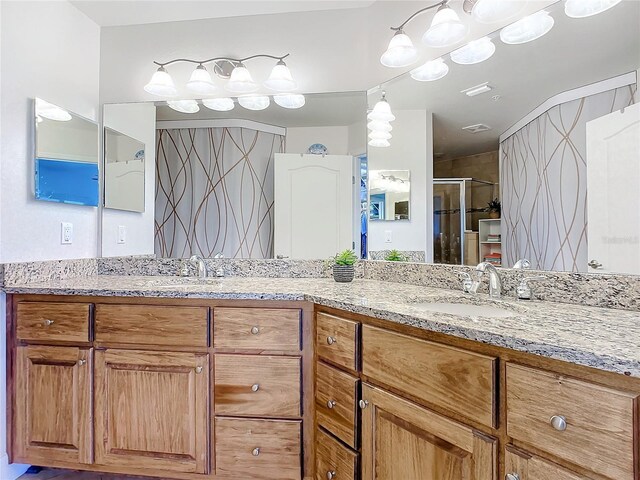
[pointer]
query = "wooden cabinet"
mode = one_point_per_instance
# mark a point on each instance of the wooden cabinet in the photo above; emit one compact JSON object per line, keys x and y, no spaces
{"x":53,"y":421}
{"x":53,"y":322}
{"x":333,"y":460}
{"x":524,"y":466}
{"x":337,"y":403}
{"x":337,"y":341}
{"x":152,"y":410}
{"x":401,"y":440}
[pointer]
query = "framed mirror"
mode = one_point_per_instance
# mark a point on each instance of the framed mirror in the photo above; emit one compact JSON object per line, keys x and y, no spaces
{"x":124,"y":170}
{"x":389,"y":194}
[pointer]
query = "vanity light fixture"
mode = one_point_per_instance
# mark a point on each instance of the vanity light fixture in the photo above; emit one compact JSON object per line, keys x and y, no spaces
{"x":200,"y":81}
{"x":430,"y":71}
{"x":290,"y":100}
{"x":587,"y":8}
{"x":184,"y":106}
{"x":161,"y":84}
{"x":474,"y":52}
{"x":491,"y":11}
{"x":446,"y":28}
{"x":527,"y":29}
{"x":400,"y":52}
{"x":241,"y":80}
{"x":380,"y":126}
{"x":280,"y":79}
{"x":219,"y":104}
{"x":254,"y":102}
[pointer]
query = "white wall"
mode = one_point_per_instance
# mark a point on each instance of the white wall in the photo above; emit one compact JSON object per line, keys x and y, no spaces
{"x":336,"y":139}
{"x":138,"y":120}
{"x":411,"y":149}
{"x":49,"y":50}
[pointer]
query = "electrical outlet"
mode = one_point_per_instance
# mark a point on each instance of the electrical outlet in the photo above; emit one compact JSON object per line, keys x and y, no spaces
{"x":387,"y":236}
{"x":122,"y":234}
{"x":66,"y":233}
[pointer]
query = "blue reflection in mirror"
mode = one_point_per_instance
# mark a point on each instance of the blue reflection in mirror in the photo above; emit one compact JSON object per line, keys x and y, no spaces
{"x":67,"y":181}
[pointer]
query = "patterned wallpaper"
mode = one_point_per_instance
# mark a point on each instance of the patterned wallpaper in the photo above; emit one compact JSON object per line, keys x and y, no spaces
{"x":214,"y":192}
{"x":543,"y":175}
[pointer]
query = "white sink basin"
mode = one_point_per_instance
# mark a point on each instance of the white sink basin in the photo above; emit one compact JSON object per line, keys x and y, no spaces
{"x":466,"y":310}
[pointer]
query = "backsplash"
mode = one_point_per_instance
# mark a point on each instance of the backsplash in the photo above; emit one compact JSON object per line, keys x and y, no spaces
{"x":30,"y":272}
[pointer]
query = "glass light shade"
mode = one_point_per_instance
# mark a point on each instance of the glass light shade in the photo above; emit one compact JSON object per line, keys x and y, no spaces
{"x":379,"y":135}
{"x":184,"y":106}
{"x":474,"y":52}
{"x":254,"y":102}
{"x":241,"y":81}
{"x":161,"y":84}
{"x":51,"y":112}
{"x":527,"y":29}
{"x":218,"y":104}
{"x":200,"y":82}
{"x":290,"y":100}
{"x":430,"y":71}
{"x":446,"y":29}
{"x":382,"y":111}
{"x":280,"y":79}
{"x":490,"y":11}
{"x":379,"y":126}
{"x":400,"y":52}
{"x":379,"y":143}
{"x":586,"y":8}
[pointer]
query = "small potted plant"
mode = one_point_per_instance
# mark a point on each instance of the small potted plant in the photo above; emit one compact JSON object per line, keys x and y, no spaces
{"x":494,"y":208}
{"x":395,"y":256}
{"x":343,"y":266}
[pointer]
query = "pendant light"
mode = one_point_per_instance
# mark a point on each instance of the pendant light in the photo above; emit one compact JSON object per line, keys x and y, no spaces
{"x":290,"y":100}
{"x":400,"y":52}
{"x":280,"y":79}
{"x":527,"y":29}
{"x":430,"y":71}
{"x":241,"y":81}
{"x":184,"y":106}
{"x":219,"y":104}
{"x":379,"y":135}
{"x":200,"y":82}
{"x":446,"y":29}
{"x":51,"y":111}
{"x":380,"y":126}
{"x":377,"y":142}
{"x":492,"y":11}
{"x":382,"y":111}
{"x":161,"y":84}
{"x":587,"y":8}
{"x":474,"y":52}
{"x":254,"y":102}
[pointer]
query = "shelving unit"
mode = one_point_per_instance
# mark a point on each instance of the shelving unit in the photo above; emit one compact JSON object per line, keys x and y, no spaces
{"x":490,"y":249}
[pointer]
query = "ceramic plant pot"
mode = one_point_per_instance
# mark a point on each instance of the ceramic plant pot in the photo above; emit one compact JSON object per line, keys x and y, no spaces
{"x":494,"y":215}
{"x":343,"y":273}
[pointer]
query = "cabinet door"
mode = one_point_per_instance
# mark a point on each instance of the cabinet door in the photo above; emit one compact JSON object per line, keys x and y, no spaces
{"x":53,"y":405}
{"x":401,"y":440}
{"x":152,"y":410}
{"x":523,"y":466}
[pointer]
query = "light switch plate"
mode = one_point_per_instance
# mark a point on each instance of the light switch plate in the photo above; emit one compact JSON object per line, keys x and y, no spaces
{"x":388,"y":238}
{"x":66,"y":234}
{"x":122,"y":234}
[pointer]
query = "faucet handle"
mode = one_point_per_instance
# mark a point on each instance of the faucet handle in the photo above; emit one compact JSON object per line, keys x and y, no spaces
{"x":522,"y":264}
{"x":523,"y":290}
{"x":467,"y":281}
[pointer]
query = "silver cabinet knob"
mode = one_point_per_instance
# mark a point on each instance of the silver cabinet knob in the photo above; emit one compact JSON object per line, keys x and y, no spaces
{"x":255,"y":330}
{"x":255,"y":452}
{"x":331,"y":340}
{"x":363,"y":404}
{"x":82,"y":362}
{"x":559,"y":423}
{"x":48,"y":322}
{"x":198,"y":369}
{"x":512,"y":476}
{"x":255,"y":387}
{"x":331,"y":404}
{"x":595,"y":264}
{"x":331,"y":474}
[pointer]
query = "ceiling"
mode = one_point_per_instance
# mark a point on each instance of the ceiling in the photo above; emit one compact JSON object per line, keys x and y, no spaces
{"x":109,"y":13}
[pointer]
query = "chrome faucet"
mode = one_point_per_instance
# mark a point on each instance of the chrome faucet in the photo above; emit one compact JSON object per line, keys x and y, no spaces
{"x":202,"y":266}
{"x":495,"y":284}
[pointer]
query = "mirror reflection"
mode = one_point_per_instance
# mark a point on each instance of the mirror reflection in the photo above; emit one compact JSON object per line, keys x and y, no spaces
{"x":389,"y":194}
{"x":123,"y":171}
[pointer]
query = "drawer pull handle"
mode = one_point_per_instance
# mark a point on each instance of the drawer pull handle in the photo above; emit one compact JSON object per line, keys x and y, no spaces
{"x":331,"y":474}
{"x":559,"y":423}
{"x":82,"y":362}
{"x":363,"y":404}
{"x":331,"y":404}
{"x":198,"y":369}
{"x":255,"y":387}
{"x":255,"y":330}
{"x":48,"y":322}
{"x":331,"y":340}
{"x":255,"y":452}
{"x":512,"y":476}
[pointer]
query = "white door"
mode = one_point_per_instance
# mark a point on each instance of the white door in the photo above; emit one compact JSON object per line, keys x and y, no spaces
{"x":613,"y":192}
{"x":313,"y":205}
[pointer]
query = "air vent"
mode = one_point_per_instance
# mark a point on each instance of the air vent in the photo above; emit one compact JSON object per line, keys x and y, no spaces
{"x":477,"y":90}
{"x":479,"y":127}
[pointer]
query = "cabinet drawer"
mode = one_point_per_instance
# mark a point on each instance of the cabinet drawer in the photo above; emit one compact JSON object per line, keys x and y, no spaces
{"x":256,"y":385}
{"x":598,"y":421}
{"x":451,"y":378}
{"x":258,"y":449}
{"x":152,"y":325}
{"x":256,"y":329}
{"x":336,"y":402}
{"x":337,"y":340}
{"x":60,"y":322}
{"x":333,"y":460}
{"x":530,"y":467}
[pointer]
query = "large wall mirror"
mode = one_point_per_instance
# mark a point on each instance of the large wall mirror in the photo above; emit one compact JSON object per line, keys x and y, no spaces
{"x":124,"y":171}
{"x":66,"y":156}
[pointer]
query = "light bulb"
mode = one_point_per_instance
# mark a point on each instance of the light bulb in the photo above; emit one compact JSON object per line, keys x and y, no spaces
{"x":280,"y":79}
{"x":527,"y":29}
{"x":254,"y":102}
{"x":184,"y":106}
{"x":490,"y":11}
{"x":241,"y":81}
{"x":290,"y":100}
{"x":51,"y":111}
{"x":382,"y":111}
{"x":379,"y":125}
{"x":218,"y":104}
{"x":400,"y":52}
{"x":587,"y":8}
{"x":379,"y":135}
{"x":430,"y":71}
{"x":474,"y":52}
{"x":446,"y":29}
{"x":161,"y":84}
{"x":379,"y":143}
{"x":200,"y":82}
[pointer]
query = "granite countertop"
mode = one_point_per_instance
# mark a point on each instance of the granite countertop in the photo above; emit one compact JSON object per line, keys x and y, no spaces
{"x":603,"y":338}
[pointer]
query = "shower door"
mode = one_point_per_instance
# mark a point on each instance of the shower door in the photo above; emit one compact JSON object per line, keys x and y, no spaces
{"x":448,"y":223}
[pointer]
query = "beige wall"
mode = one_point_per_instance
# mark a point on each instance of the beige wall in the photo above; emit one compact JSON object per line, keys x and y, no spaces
{"x":483,"y":166}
